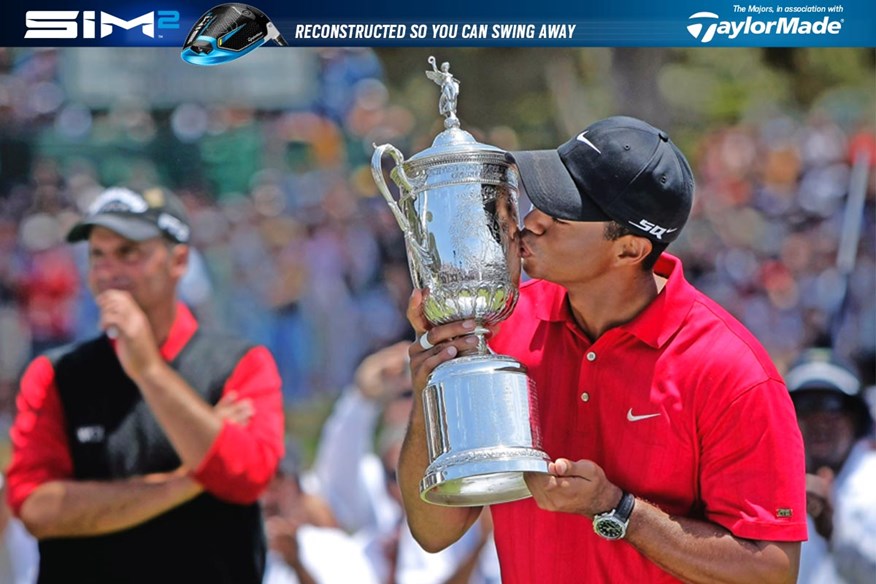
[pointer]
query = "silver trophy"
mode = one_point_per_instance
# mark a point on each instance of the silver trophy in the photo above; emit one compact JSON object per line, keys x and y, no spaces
{"x":458,"y":211}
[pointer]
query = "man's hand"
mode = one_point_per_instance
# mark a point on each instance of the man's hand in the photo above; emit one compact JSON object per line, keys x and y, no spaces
{"x":573,"y":487}
{"x":234,"y":410}
{"x":819,"y":500}
{"x":282,"y":536}
{"x":135,"y":344}
{"x":383,"y":375}
{"x":448,"y":340}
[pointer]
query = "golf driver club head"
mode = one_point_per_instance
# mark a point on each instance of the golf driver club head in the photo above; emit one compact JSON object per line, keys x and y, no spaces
{"x":227,"y":32}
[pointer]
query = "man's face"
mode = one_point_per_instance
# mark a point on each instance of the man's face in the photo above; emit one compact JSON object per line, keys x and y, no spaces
{"x":282,"y":498}
{"x":149,"y":270}
{"x":564,"y":252}
{"x":828,"y":434}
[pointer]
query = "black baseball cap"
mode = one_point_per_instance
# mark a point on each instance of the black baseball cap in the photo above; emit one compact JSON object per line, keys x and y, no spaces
{"x":821,"y":381}
{"x":156,"y":212}
{"x":620,"y":169}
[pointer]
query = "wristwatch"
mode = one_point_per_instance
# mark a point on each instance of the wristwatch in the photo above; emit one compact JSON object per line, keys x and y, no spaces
{"x":613,"y":524}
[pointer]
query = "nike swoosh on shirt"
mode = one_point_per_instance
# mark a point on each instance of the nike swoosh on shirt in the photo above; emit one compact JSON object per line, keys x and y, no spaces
{"x":634,"y":418}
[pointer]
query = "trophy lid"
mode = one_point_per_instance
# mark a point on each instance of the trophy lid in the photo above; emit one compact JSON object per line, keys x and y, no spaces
{"x":453,"y":141}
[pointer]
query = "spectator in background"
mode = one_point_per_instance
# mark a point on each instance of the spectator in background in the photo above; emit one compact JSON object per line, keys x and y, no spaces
{"x":360,"y":483}
{"x":124,"y":449}
{"x":840,"y":471}
{"x":306,"y":545}
{"x":19,"y":556}
{"x":47,"y":283}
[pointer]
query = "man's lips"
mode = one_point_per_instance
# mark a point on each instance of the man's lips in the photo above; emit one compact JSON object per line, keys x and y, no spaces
{"x":525,"y":252}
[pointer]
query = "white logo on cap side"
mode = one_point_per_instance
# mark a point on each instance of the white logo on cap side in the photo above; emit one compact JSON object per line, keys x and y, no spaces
{"x":652,"y":228}
{"x":582,"y":138}
{"x":174,"y":226}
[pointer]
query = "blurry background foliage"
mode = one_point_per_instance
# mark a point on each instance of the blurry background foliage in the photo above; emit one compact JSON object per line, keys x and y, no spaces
{"x":547,"y":95}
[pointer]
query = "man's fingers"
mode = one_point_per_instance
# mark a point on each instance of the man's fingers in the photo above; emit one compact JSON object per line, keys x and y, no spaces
{"x":415,"y":311}
{"x":436,"y":356}
{"x":233,"y":410}
{"x":227,"y":398}
{"x":116,"y":309}
{"x":459,"y":333}
{"x":563,"y":467}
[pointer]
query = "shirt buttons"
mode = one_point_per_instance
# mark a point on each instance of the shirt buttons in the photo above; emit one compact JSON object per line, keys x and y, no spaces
{"x":585,"y":397}
{"x":591,"y":356}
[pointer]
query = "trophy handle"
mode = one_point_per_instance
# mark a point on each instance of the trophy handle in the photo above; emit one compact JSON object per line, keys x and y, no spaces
{"x":402,"y":180}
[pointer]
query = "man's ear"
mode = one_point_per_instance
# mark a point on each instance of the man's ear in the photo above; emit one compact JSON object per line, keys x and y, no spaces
{"x":179,"y":260}
{"x":632,"y":249}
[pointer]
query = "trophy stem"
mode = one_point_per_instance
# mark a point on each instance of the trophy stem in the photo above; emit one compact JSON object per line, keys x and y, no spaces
{"x":480,"y":332}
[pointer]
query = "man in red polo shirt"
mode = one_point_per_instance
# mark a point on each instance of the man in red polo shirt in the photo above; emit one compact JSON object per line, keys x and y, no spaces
{"x":676,"y":454}
{"x":140,"y":455}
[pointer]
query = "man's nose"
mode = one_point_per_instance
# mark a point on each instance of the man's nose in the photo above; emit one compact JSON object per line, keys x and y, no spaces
{"x":103,"y":266}
{"x":536,"y":221}
{"x":107,"y":270}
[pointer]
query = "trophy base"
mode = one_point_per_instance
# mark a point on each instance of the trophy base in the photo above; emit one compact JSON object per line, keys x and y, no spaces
{"x":483,"y":481}
{"x":482,"y":432}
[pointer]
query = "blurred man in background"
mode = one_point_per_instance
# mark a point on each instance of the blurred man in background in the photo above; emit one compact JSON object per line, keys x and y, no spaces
{"x":139,"y":455}
{"x":306,"y":546}
{"x":840,"y":470}
{"x":358,"y":478}
{"x":19,"y":557}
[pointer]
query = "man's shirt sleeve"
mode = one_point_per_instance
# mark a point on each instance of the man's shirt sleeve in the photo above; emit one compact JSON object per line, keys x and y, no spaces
{"x":752,"y":476}
{"x":40,"y":448}
{"x":243,"y":459}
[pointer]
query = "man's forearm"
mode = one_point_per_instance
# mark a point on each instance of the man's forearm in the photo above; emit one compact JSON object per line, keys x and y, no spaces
{"x":88,"y":508}
{"x":344,"y":442}
{"x":434,"y":527}
{"x":699,"y":551}
{"x":190,"y":423}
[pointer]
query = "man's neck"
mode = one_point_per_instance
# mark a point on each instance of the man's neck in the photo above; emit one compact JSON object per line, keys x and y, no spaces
{"x":600,"y":306}
{"x":161,"y":320}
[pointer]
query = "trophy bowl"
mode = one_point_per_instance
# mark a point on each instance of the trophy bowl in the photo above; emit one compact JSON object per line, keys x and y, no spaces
{"x":458,"y":211}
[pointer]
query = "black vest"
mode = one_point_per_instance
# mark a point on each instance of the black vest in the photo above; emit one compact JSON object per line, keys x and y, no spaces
{"x":112,"y":435}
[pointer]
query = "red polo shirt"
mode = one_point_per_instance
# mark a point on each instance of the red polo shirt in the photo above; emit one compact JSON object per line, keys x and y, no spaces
{"x":237,"y":468}
{"x":680,"y":406}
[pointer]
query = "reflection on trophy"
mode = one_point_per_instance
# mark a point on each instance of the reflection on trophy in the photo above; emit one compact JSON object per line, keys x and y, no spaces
{"x":458,"y":211}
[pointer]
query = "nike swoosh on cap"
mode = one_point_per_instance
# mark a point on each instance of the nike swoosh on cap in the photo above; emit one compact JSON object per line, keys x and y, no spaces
{"x":582,"y":138}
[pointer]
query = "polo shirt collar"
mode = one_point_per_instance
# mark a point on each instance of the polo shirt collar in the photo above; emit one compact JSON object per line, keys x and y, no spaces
{"x":655,"y":325}
{"x":552,"y":304}
{"x":181,"y":331}
{"x":663,"y":317}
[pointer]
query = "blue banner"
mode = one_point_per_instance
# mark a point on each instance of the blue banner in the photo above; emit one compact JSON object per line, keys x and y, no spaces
{"x":642,"y":23}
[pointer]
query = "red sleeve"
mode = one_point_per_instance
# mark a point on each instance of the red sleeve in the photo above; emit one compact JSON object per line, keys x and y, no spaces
{"x":243,"y":459}
{"x":40,"y":451}
{"x":753,"y":468}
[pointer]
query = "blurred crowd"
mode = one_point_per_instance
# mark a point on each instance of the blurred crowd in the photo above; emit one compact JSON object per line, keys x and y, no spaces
{"x":764,"y":236}
{"x":296,"y":249}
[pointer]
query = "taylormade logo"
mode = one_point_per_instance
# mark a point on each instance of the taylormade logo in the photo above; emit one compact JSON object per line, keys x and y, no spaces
{"x":705,"y":25}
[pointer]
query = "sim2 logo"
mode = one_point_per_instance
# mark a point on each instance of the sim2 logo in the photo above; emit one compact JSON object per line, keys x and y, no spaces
{"x":705,"y":25}
{"x":73,"y":24}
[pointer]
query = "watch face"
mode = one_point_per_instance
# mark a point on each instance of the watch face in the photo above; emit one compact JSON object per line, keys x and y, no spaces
{"x":610,"y":528}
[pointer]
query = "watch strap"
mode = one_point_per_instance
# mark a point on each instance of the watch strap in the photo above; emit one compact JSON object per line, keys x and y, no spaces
{"x":625,"y":507}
